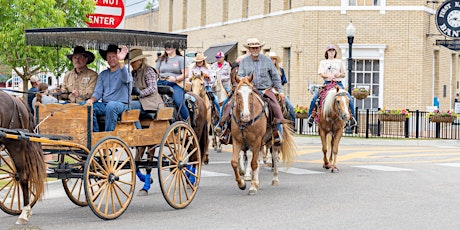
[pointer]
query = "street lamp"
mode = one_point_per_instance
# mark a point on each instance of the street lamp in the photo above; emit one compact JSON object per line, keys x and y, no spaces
{"x":351,"y":35}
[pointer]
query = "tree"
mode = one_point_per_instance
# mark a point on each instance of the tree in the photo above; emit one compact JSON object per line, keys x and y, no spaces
{"x":18,"y":15}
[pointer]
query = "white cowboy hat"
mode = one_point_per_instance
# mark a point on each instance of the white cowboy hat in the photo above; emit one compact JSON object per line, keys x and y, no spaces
{"x":199,"y":57}
{"x":253,"y":42}
{"x":273,"y":55}
{"x":136,"y":54}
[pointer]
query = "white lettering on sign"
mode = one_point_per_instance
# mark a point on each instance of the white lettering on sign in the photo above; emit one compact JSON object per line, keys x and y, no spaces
{"x":110,"y":2}
{"x":444,"y":9}
{"x":108,"y":10}
{"x":102,"y":20}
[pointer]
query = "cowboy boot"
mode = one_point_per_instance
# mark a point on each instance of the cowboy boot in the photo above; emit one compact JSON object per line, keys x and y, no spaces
{"x":278,"y":139}
{"x":219,"y":127}
{"x":352,"y":121}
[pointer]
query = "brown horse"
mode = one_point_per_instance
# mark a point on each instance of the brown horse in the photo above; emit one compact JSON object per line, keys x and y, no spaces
{"x":198,"y":88}
{"x":334,"y":115}
{"x":249,"y":131}
{"x":27,"y":171}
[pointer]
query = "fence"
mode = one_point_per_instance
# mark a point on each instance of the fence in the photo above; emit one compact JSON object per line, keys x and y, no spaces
{"x":370,"y":126}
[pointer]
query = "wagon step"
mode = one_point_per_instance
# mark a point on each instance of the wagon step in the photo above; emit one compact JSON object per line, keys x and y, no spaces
{"x":26,"y":133}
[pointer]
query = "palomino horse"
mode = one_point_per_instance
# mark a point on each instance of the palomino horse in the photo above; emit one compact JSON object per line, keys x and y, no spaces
{"x":334,"y":115}
{"x":198,"y":87}
{"x":27,"y":171}
{"x":249,"y":129}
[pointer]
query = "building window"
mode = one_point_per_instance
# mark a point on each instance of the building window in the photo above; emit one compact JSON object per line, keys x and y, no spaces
{"x":203,"y":12}
{"x":366,"y":73}
{"x":287,"y":67}
{"x":245,"y":8}
{"x":225,"y":9}
{"x":364,"y":2}
{"x":287,"y":4}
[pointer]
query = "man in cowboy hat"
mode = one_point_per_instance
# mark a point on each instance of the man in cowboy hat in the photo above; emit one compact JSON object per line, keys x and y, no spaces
{"x":265,"y":77}
{"x":113,"y":87}
{"x":79,"y":83}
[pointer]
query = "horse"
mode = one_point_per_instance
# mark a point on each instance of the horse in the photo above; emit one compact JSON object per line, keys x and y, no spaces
{"x":249,"y":132}
{"x":198,"y":88}
{"x":200,"y":127}
{"x":28,"y":170}
{"x":332,"y":120}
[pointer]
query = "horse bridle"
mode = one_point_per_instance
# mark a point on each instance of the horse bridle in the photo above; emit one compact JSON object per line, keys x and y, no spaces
{"x":339,"y":110}
{"x":243,"y":125}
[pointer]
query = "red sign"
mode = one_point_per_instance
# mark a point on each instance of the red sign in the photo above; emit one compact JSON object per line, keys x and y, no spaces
{"x":108,"y":14}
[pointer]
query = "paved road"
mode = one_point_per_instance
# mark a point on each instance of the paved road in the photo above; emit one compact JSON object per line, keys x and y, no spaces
{"x":382,"y":184}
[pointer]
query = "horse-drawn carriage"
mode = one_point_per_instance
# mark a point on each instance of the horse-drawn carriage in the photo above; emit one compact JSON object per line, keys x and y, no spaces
{"x":97,"y":169}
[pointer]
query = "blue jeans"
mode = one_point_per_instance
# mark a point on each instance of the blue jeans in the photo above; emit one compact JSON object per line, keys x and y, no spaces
{"x":290,"y":108}
{"x":315,"y":97}
{"x":137,"y":105}
{"x":178,"y":98}
{"x":111,"y":110}
{"x":214,"y":101}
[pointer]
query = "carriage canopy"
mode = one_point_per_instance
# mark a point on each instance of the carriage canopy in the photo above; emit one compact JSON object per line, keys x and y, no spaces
{"x":100,"y":38}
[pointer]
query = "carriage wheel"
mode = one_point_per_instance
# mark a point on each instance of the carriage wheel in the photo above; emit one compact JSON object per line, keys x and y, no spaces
{"x":179,"y":165}
{"x":11,"y":199}
{"x":73,"y":187}
{"x":109,"y":178}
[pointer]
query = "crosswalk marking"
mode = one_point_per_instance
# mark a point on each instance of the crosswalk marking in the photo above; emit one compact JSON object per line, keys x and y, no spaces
{"x":450,"y":164}
{"x":212,"y":174}
{"x":382,"y":168}
{"x":298,"y":171}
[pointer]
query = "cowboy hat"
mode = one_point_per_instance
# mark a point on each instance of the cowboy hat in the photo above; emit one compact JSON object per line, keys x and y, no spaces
{"x":273,"y":55}
{"x":253,"y":42}
{"x":111,"y":48}
{"x":34,"y":79}
{"x":136,"y":54}
{"x":81,"y":50}
{"x":199,"y":57}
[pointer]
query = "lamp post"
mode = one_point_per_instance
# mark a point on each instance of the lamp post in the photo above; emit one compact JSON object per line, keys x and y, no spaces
{"x":350,"y":35}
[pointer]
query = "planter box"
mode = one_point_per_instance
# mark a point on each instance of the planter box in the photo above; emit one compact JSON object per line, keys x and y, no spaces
{"x":360,"y":95}
{"x":392,"y":117}
{"x":301,"y":115}
{"x":444,"y":119}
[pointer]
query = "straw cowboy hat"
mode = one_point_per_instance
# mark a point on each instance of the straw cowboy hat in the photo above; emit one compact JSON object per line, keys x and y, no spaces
{"x":111,"y":48}
{"x":81,"y":50}
{"x":253,"y":42}
{"x":273,"y":55}
{"x":199,"y":57}
{"x":136,"y":54}
{"x":34,"y":79}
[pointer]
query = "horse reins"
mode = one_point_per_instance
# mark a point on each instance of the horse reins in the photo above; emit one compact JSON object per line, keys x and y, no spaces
{"x":243,"y":125}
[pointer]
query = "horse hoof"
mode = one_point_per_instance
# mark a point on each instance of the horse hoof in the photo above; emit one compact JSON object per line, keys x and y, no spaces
{"x":326,"y":166}
{"x":334,"y":170}
{"x":275,"y":183}
{"x":242,"y":187}
{"x":21,"y":221}
{"x":252,"y":192}
{"x":142,"y":192}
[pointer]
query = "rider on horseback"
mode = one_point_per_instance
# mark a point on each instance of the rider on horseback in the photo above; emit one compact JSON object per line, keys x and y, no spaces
{"x":330,"y":69}
{"x":200,"y":67}
{"x":265,"y":77}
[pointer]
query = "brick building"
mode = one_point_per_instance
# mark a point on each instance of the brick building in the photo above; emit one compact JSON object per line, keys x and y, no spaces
{"x":394,"y":51}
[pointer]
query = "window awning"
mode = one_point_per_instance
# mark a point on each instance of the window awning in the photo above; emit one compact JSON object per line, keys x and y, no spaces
{"x":226,"y":48}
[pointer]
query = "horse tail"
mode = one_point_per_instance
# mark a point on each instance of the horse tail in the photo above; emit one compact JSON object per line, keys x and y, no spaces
{"x":204,"y":143}
{"x":288,"y":147}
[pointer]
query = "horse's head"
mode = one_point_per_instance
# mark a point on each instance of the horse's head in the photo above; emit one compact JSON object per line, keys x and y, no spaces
{"x":198,"y":86}
{"x":337,"y":101}
{"x":244,"y":97}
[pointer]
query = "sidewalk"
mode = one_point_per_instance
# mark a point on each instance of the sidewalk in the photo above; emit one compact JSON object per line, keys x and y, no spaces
{"x":308,"y":139}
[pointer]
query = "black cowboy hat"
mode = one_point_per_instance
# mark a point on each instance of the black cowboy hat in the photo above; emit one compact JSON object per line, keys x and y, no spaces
{"x":111,"y":48}
{"x":81,"y":50}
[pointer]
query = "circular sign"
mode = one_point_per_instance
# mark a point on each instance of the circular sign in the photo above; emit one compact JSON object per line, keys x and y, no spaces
{"x":448,"y":18}
{"x":108,"y":14}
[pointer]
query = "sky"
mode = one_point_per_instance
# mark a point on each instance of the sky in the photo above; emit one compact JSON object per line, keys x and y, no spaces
{"x":135,"y":6}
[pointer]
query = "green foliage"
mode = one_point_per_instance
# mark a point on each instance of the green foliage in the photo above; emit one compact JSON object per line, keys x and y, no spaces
{"x":18,"y":15}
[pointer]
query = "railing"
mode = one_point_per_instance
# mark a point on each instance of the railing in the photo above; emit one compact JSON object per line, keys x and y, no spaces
{"x":416,"y":126}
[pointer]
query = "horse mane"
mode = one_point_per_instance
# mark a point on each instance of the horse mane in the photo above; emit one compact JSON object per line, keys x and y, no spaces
{"x":328,"y":103}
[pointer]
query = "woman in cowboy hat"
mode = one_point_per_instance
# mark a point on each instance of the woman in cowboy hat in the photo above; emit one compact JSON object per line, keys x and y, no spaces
{"x":172,"y":72}
{"x":113,"y":87}
{"x":79,"y":83}
{"x":330,"y":69}
{"x":201,"y":66}
{"x":145,"y":79}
